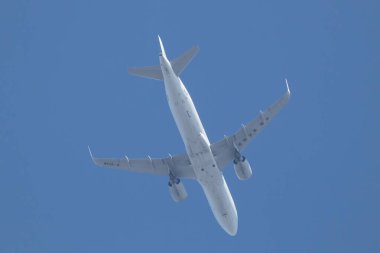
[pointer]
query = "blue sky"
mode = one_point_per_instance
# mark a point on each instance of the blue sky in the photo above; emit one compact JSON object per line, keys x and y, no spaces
{"x":64,"y":85}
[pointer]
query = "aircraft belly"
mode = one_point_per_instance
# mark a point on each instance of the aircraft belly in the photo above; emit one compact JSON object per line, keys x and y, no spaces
{"x":198,"y":148}
{"x":184,"y":113}
{"x":220,"y":200}
{"x":216,"y":190}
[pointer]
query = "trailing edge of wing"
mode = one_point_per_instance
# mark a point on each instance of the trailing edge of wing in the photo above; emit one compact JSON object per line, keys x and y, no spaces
{"x":179,"y":165}
{"x":224,"y":150}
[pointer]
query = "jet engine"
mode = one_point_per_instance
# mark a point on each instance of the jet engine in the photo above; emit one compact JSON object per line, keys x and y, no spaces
{"x":242,"y":168}
{"x":177,"y":190}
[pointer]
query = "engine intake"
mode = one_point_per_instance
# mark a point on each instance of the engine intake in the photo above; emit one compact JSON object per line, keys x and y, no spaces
{"x":177,"y":190}
{"x":242,"y":168}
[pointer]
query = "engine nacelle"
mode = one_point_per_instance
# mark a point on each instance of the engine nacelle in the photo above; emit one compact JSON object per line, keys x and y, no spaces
{"x":242,"y":168}
{"x":177,"y":190}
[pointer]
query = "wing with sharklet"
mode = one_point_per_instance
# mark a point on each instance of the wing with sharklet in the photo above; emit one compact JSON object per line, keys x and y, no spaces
{"x":225,"y":150}
{"x":179,"y":165}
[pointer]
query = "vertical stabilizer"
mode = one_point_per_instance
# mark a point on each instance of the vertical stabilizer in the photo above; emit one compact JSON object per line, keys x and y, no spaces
{"x":162,"y":47}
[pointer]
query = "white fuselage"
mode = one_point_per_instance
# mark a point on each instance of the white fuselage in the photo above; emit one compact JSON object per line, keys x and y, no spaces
{"x":198,"y":149}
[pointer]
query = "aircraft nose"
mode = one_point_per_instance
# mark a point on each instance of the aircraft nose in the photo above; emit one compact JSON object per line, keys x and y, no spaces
{"x":230,"y":224}
{"x":232,"y":228}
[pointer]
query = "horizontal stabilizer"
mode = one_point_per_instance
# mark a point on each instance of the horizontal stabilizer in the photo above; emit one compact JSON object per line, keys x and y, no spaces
{"x":180,"y":63}
{"x":152,"y":72}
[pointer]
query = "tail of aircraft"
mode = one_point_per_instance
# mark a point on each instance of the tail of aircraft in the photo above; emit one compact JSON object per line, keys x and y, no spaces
{"x":162,"y":47}
{"x":178,"y":64}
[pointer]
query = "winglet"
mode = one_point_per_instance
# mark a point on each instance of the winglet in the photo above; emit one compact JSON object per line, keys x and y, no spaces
{"x":162,"y":47}
{"x":89,"y":150}
{"x":287,"y":86}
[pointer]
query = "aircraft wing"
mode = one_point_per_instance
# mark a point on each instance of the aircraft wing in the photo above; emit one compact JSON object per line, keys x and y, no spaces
{"x":224,"y":150}
{"x":179,"y":166}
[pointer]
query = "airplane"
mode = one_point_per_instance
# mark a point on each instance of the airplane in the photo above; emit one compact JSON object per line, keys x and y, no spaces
{"x":203,"y":162}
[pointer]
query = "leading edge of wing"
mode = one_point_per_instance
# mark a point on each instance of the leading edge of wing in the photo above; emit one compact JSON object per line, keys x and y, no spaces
{"x":178,"y":165}
{"x":224,"y":150}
